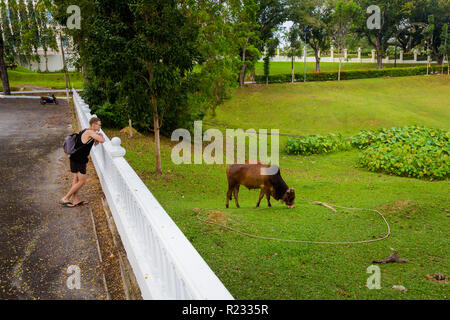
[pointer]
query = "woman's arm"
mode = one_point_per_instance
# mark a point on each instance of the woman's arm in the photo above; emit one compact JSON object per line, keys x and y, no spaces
{"x":98,"y":137}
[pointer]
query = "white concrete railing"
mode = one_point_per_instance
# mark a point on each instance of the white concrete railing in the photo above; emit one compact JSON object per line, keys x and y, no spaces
{"x":165,"y":263}
{"x":333,"y":58}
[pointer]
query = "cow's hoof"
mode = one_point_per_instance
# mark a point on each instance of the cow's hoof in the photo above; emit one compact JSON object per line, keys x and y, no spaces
{"x":226,"y":206}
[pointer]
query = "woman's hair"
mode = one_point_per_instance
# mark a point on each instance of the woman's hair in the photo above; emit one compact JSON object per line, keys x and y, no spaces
{"x":94,"y":120}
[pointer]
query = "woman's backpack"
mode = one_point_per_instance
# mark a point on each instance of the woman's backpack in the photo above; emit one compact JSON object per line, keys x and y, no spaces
{"x":70,"y":142}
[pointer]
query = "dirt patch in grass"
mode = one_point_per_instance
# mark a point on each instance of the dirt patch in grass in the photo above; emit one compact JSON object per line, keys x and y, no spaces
{"x":438,"y":277}
{"x":214,"y":216}
{"x":406,"y":208}
{"x":218,"y":217}
{"x":126,"y":131}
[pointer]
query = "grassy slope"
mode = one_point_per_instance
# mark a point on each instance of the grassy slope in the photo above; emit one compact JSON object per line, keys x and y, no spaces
{"x":259,"y":269}
{"x":345,"y":107}
{"x":54,"y":80}
{"x":285,"y":67}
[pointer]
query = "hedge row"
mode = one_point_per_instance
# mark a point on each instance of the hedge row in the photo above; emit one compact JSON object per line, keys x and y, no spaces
{"x":351,"y":74}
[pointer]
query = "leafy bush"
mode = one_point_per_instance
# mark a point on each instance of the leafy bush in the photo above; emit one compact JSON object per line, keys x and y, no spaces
{"x":112,"y":115}
{"x":351,"y":74}
{"x":317,"y":144}
{"x":408,"y":151}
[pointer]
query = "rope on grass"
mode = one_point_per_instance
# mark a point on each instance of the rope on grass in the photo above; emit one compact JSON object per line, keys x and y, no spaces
{"x":308,"y":241}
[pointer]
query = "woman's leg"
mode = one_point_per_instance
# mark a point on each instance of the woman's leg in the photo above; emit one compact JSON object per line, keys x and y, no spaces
{"x":75,"y":195}
{"x":77,"y":186}
{"x":74,"y":182}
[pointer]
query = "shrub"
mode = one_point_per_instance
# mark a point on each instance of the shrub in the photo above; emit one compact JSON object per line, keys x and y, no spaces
{"x":408,"y":151}
{"x":317,"y":144}
{"x":112,"y":115}
{"x":352,"y":74}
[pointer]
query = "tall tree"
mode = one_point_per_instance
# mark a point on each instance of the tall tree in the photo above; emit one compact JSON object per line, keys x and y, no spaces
{"x":46,"y":29}
{"x":216,"y":74}
{"x":271,"y":47}
{"x":29,"y":39}
{"x":271,"y":14}
{"x":16,"y":36}
{"x":3,"y":70}
{"x":8,"y":37}
{"x":421,"y":10}
{"x":346,"y":14}
{"x":392,"y":12}
{"x":444,"y":48}
{"x":428,"y":33}
{"x":246,"y":30}
{"x":314,"y":17}
{"x":292,"y":37}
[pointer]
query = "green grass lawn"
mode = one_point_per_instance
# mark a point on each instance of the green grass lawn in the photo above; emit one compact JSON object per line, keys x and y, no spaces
{"x":338,"y":107}
{"x":417,"y":210}
{"x":53,"y":80}
{"x":285,"y":67}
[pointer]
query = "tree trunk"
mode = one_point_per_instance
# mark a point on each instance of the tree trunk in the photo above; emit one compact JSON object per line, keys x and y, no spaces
{"x":157,"y":140}
{"x":155,"y":124}
{"x":293,"y":70}
{"x":379,"y":60}
{"x":64,"y":66}
{"x":46,"y":60}
{"x":242,"y":75}
{"x":439,"y":58}
{"x":339,"y":72}
{"x":316,"y":53}
{"x":395,"y":57}
{"x":379,"y":54}
{"x":3,"y":70}
{"x":244,"y":66}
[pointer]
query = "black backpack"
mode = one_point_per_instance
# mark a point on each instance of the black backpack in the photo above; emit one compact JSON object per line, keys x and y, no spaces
{"x":70,"y":142}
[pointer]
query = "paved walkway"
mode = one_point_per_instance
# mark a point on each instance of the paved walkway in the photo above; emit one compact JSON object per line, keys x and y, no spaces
{"x":40,"y":239}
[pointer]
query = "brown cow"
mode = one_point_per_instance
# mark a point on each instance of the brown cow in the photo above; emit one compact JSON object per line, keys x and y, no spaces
{"x":249,"y":175}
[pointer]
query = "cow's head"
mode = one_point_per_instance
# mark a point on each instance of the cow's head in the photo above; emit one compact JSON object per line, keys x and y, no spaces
{"x":289,"y":198}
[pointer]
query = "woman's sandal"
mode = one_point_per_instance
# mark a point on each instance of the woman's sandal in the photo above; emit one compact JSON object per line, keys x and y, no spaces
{"x":65,"y":204}
{"x":80,"y":203}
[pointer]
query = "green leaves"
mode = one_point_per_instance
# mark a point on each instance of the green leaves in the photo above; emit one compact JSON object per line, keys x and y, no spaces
{"x":317,"y":144}
{"x":417,"y":152}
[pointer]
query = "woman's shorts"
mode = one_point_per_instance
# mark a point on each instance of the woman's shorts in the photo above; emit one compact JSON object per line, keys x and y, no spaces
{"x":77,"y":167}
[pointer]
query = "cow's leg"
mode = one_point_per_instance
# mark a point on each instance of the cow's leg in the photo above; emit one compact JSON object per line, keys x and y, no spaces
{"x":229,"y":194}
{"x":236,"y":192}
{"x":261,"y":195}
{"x":268,"y":199}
